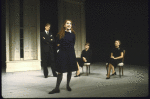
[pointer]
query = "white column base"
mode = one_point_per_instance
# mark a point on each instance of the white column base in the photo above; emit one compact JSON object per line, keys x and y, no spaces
{"x":13,"y":66}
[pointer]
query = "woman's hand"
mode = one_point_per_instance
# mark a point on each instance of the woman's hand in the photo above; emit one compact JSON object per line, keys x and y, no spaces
{"x":43,"y":37}
{"x":84,"y":59}
{"x":58,"y":44}
{"x":112,"y":57}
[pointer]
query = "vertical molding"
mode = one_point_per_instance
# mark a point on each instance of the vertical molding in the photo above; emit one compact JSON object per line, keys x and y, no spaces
{"x":60,"y":14}
{"x":83,"y":27}
{"x":38,"y":31}
{"x":14,"y":26}
{"x":7,"y":31}
{"x":17,"y":30}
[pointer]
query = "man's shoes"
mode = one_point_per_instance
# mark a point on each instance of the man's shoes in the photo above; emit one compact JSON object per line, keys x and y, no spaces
{"x":54,"y":91}
{"x":46,"y":76}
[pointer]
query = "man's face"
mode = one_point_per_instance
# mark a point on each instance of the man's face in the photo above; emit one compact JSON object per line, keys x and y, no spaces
{"x":47,"y":28}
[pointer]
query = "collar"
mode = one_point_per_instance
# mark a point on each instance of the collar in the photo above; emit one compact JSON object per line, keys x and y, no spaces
{"x":118,"y":48}
{"x":46,"y":31}
{"x":69,"y":31}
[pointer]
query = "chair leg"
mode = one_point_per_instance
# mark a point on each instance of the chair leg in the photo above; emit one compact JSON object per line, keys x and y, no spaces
{"x":122,"y":70}
{"x":119,"y":71}
{"x":82,"y":69}
{"x":89,"y":69}
{"x":86,"y":70}
{"x":107,"y":69}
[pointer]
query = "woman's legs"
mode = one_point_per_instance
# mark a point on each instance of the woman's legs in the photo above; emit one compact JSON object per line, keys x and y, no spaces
{"x":110,"y":61}
{"x":78,"y":71}
{"x":113,"y":70}
{"x":59,"y":79}
{"x":109,"y":69}
{"x":69,"y":74}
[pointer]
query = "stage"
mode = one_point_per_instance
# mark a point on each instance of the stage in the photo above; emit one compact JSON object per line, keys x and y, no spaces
{"x":32,"y":84}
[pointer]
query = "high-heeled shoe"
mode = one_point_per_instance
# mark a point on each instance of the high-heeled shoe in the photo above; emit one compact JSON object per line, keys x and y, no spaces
{"x":77,"y":75}
{"x":107,"y":77}
{"x":114,"y":73}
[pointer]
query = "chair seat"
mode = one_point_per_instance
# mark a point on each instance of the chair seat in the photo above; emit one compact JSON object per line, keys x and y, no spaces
{"x":87,"y":63}
{"x":121,"y":64}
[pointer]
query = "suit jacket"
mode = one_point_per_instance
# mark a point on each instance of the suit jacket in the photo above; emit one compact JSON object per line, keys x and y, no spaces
{"x":46,"y":44}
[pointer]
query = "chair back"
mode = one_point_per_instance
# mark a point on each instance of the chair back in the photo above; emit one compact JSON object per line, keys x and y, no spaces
{"x":123,"y":55}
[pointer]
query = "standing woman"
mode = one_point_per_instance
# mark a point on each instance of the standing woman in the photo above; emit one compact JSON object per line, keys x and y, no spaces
{"x":66,"y":59}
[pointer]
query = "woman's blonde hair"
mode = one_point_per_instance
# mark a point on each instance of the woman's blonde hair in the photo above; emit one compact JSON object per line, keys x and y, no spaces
{"x":47,"y":24}
{"x":118,"y":41}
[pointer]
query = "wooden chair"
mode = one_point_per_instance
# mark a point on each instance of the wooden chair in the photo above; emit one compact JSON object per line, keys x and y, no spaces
{"x":85,"y":64}
{"x":120,"y":65}
{"x":87,"y":68}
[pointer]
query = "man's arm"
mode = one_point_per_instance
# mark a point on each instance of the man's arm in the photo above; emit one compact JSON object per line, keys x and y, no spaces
{"x":43,"y":39}
{"x":52,"y":39}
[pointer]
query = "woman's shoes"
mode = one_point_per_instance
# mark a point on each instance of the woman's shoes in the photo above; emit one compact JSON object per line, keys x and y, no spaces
{"x":54,"y":91}
{"x":114,"y":73}
{"x":107,"y":77}
{"x":77,"y":75}
{"x":68,"y":88}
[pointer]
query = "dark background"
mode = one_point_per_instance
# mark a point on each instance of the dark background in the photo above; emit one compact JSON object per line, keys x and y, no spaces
{"x":106,"y":21}
{"x":126,"y":20}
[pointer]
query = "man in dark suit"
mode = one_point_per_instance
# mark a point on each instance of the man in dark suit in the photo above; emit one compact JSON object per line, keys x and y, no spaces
{"x":47,"y":52}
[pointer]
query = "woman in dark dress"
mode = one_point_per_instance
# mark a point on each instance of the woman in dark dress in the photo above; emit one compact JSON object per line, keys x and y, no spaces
{"x":86,"y":58}
{"x":116,"y":57}
{"x":66,"y":58}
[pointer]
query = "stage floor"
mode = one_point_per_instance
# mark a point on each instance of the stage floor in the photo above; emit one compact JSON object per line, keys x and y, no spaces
{"x":32,"y":84}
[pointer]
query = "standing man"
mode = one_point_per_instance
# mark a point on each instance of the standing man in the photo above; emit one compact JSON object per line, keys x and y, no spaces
{"x":47,"y":52}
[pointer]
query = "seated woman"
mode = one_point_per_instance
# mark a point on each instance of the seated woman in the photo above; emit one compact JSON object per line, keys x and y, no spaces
{"x":116,"y":57}
{"x":86,"y":58}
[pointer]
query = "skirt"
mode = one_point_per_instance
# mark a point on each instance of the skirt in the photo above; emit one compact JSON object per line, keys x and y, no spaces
{"x":66,"y":61}
{"x":114,"y":62}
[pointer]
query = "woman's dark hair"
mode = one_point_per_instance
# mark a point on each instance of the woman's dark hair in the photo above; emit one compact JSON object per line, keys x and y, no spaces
{"x":87,"y":43}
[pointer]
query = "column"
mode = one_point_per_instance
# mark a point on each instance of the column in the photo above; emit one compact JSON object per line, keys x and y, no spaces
{"x":7,"y":31}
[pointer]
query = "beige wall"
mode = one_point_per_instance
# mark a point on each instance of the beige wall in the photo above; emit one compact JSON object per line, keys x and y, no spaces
{"x":31,"y":30}
{"x":14,"y":30}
